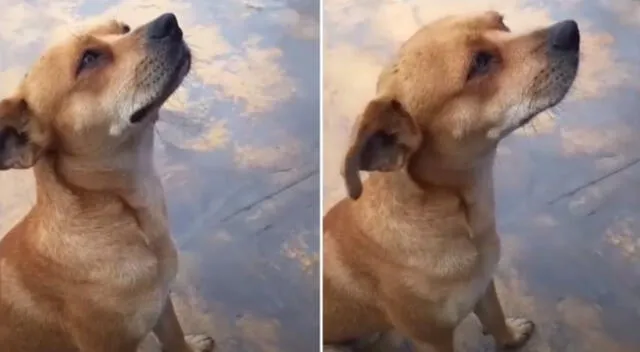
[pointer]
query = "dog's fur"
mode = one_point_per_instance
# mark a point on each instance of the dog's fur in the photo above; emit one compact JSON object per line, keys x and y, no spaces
{"x":416,"y":248}
{"x":89,"y":267}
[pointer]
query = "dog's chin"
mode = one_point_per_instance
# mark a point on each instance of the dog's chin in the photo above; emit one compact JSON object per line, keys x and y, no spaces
{"x":544,"y":106}
{"x":554,"y":96}
{"x":516,"y":119}
{"x":171,"y":84}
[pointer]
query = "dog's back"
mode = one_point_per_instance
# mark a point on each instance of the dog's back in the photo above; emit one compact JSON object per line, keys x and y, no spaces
{"x":349,"y":286}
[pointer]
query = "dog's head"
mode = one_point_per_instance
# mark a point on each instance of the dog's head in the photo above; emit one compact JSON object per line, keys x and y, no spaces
{"x":456,"y":88}
{"x":93,"y":92}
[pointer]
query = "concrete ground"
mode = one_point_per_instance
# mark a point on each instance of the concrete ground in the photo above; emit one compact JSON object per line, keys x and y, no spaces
{"x":568,"y":186}
{"x":238,"y":153}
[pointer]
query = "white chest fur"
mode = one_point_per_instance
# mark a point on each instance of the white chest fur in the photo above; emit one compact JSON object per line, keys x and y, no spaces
{"x":462,"y":298}
{"x":479,"y":207}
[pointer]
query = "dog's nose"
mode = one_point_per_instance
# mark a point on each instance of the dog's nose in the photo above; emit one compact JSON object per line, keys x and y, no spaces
{"x":164,"y":26}
{"x":565,"y":36}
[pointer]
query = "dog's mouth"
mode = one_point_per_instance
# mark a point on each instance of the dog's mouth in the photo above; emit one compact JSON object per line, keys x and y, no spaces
{"x":549,"y":88}
{"x":551,"y":91}
{"x":552,"y":84}
{"x":175,"y":79}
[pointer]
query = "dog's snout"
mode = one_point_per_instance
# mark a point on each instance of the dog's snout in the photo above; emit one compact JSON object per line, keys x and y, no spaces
{"x":564,"y":36}
{"x":164,"y":26}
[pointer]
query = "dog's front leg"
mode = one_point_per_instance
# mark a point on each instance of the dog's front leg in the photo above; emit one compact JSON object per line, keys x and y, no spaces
{"x":508,"y":333}
{"x":171,"y":337}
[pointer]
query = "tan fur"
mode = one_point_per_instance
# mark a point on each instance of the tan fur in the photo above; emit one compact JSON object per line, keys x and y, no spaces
{"x":416,"y":247}
{"x":89,"y":267}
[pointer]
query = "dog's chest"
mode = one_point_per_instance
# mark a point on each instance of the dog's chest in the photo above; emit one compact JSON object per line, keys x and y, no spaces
{"x":137,"y":287}
{"x":451,"y":259}
{"x":149,"y":205}
{"x":462,"y":298}
{"x":482,"y":236}
{"x":132,"y":262}
{"x":145,"y":308}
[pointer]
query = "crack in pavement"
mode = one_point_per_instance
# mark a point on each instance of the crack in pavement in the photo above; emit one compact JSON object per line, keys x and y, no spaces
{"x":588,"y":184}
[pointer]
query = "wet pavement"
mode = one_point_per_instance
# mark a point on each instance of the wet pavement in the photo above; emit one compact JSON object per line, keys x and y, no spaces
{"x":237,"y":151}
{"x":568,"y":186}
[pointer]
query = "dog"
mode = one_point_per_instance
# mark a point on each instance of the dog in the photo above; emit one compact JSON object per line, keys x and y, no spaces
{"x":415,"y":248}
{"x":89,"y":268}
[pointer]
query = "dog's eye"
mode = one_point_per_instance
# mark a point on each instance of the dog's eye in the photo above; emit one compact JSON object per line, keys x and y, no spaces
{"x":90,"y":59}
{"x":481,"y":64}
{"x":126,"y":29}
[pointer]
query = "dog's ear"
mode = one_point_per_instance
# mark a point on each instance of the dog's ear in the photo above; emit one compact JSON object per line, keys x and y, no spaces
{"x":17,"y":151}
{"x":383,"y":138}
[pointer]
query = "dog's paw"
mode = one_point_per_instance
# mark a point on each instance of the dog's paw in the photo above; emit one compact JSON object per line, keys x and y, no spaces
{"x":520,"y":330}
{"x":200,"y":343}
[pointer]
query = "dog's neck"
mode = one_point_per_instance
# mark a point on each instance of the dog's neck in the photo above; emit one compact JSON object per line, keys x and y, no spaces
{"x":123,"y":170}
{"x":472,"y":183}
{"x":448,"y":172}
{"x":470,"y":186}
{"x":125,"y":188}
{"x":129,"y":175}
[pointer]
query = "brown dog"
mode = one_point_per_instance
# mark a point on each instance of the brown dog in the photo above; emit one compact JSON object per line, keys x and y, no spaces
{"x":89,"y":268}
{"x":416,"y":248}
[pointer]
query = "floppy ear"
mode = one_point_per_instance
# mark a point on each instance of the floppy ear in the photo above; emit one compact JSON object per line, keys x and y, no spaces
{"x":385,"y":135}
{"x":17,"y":151}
